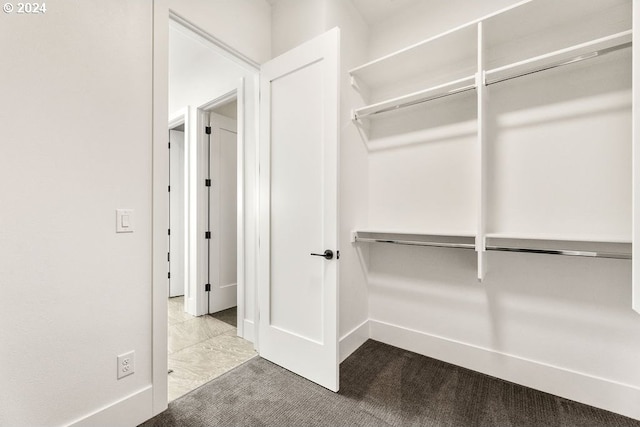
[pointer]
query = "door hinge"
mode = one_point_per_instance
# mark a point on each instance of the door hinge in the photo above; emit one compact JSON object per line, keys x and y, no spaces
{"x":208,"y":130}
{"x":169,"y":275}
{"x":168,"y":257}
{"x":207,"y":183}
{"x":169,"y":145}
{"x":207,"y":234}
{"x":207,"y":287}
{"x":169,"y":188}
{"x":169,"y":232}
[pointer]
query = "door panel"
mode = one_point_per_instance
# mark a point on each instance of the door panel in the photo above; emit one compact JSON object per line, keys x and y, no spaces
{"x":298,"y":215}
{"x":223,"y":213}
{"x":229,"y":213}
{"x":296,"y":211}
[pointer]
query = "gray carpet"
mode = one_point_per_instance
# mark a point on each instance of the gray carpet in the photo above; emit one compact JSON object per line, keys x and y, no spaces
{"x":380,"y":385}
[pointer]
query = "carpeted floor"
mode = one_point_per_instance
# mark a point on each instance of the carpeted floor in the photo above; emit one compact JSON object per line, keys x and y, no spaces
{"x":380,"y":385}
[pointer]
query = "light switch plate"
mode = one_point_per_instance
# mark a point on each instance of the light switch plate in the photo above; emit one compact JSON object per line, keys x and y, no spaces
{"x":124,"y":221}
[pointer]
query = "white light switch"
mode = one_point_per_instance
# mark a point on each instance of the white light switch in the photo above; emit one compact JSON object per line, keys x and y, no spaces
{"x":124,"y":220}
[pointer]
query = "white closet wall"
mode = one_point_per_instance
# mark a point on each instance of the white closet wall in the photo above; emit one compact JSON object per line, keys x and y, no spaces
{"x":353,"y":189}
{"x":294,"y":22}
{"x":424,"y":19}
{"x":555,"y":164}
{"x":555,"y":323}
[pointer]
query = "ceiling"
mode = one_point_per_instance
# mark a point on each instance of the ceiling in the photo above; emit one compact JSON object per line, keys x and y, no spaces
{"x":374,"y":11}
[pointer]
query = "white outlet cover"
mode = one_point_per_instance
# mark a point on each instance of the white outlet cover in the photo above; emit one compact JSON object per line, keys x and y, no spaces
{"x":126,"y":364}
{"x":124,"y":220}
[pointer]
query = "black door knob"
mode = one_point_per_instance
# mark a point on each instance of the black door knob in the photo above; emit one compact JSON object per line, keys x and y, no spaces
{"x":328,"y":254}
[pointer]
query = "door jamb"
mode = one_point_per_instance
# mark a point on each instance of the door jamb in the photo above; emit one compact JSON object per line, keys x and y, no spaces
{"x":237,"y":93}
{"x":182,"y":118}
{"x":159,"y":157}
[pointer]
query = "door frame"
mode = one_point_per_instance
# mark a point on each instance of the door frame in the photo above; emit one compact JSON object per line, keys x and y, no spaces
{"x":182,"y":118}
{"x":160,"y":175}
{"x":233,"y":93}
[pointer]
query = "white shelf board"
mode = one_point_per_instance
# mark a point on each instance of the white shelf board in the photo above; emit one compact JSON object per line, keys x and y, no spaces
{"x":583,"y":246}
{"x":418,"y":233}
{"x":577,"y":52}
{"x":447,"y":48}
{"x":454,"y":50}
{"x":450,"y":88}
{"x":562,"y":238}
{"x":538,"y":18}
{"x":453,"y":241}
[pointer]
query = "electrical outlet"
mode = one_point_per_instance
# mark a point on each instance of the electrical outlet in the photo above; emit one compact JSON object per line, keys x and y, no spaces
{"x":126,"y":364}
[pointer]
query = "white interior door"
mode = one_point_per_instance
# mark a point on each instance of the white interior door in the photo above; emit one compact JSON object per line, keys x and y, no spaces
{"x":176,"y":214}
{"x":298,"y":325}
{"x":223,"y":212}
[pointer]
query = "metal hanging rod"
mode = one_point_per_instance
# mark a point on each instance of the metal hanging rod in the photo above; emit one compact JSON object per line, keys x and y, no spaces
{"x":417,"y":243}
{"x":357,"y":116}
{"x":573,"y":60}
{"x":565,"y":252}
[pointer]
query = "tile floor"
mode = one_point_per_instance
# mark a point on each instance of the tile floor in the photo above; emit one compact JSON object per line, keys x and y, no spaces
{"x":201,"y":348}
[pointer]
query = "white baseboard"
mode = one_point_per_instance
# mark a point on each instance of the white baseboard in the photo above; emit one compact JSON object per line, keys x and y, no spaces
{"x":595,"y":391}
{"x":249,"y":330}
{"x":130,"y":411}
{"x":353,"y":339}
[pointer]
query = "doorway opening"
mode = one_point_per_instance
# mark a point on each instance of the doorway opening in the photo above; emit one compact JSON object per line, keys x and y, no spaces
{"x":202,"y":347}
{"x":222,"y":208}
{"x":207,"y":317}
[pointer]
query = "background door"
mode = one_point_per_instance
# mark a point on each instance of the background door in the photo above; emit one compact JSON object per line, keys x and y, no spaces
{"x":223,"y":213}
{"x":298,"y":326}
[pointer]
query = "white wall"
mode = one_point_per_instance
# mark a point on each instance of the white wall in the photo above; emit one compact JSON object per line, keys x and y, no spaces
{"x":245,"y":25}
{"x":353,"y":188}
{"x":425,"y":19}
{"x":560,"y":324}
{"x":76,"y":115}
{"x":294,"y":22}
{"x":636,"y":160}
{"x":197,"y":71}
{"x":229,"y":110}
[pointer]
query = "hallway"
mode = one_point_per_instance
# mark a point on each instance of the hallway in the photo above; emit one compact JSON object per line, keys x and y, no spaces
{"x":202,"y":348}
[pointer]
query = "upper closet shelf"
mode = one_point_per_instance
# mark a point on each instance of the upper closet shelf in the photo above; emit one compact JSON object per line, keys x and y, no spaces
{"x":453,"y":52}
{"x":570,"y":55}
{"x":451,"y":88}
{"x":585,"y":238}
